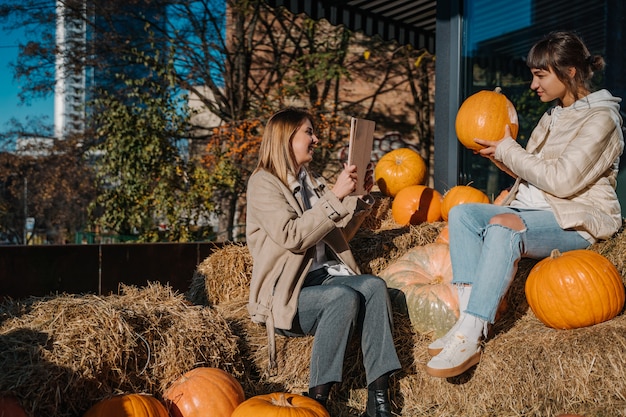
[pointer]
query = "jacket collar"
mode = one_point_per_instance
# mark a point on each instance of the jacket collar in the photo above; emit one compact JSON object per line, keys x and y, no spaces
{"x":293,"y":182}
{"x":314,"y":184}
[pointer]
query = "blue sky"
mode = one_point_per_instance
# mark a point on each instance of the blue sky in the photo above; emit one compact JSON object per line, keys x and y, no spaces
{"x":9,"y":88}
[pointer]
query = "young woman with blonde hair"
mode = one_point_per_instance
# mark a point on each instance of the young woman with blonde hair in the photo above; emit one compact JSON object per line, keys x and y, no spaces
{"x":305,"y":280}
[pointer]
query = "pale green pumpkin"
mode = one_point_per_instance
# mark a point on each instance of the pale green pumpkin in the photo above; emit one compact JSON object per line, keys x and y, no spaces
{"x":420,"y":285}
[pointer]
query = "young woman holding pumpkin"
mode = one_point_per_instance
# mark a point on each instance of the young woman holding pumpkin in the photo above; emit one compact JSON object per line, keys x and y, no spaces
{"x":305,"y":280}
{"x":563,"y":196}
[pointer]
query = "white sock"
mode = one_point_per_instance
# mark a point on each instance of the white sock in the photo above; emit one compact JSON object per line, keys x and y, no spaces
{"x":471,"y":326}
{"x":464,"y":292}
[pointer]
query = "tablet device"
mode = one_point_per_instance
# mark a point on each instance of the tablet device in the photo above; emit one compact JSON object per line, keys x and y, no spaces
{"x":360,"y":149}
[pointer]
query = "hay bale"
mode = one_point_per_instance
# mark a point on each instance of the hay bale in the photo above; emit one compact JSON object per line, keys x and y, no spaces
{"x":614,"y":249}
{"x":292,"y":353}
{"x":223,"y":276}
{"x":380,"y":217}
{"x":61,"y":354}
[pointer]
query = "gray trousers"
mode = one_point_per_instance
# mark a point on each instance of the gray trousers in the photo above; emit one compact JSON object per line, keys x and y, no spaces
{"x":332,"y":308}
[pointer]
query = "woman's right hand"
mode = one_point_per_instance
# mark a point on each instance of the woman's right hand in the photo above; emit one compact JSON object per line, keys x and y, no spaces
{"x":346,"y":182}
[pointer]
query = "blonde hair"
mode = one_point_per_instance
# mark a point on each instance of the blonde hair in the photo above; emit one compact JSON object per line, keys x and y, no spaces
{"x":275,"y":152}
{"x":560,"y":51}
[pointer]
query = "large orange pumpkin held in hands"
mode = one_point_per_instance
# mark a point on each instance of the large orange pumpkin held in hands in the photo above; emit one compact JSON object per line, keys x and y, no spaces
{"x":484,"y":115}
{"x":280,"y":404}
{"x":416,"y":204}
{"x":208,"y":392}
{"x":398,"y":169}
{"x":575,"y":289}
{"x":420,"y":283}
{"x":461,"y":194}
{"x":128,"y":405}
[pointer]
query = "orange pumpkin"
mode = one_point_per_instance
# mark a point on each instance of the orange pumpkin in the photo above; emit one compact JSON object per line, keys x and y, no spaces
{"x":416,"y":204}
{"x":444,"y":235}
{"x":398,"y":169}
{"x":280,"y":404}
{"x":575,"y":289}
{"x":420,"y":284}
{"x":11,"y":407}
{"x":461,"y":194}
{"x":501,"y":197}
{"x":484,"y":115}
{"x":128,"y":405}
{"x":204,"y":392}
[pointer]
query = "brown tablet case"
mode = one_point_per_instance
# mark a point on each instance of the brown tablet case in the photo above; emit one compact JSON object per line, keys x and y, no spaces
{"x":360,"y":149}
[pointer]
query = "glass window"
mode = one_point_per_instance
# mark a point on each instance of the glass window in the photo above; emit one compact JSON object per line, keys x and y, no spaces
{"x":497,"y":35}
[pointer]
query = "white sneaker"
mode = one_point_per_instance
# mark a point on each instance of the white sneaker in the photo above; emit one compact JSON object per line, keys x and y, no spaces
{"x":456,"y":357}
{"x":464,"y":292}
{"x":436,"y":346}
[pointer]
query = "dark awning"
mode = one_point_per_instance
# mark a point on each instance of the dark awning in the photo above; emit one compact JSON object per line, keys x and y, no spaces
{"x":406,"y":21}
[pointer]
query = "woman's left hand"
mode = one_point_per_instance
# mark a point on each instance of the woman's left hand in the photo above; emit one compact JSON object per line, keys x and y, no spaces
{"x":489,"y":151}
{"x":368,"y":182}
{"x":489,"y":146}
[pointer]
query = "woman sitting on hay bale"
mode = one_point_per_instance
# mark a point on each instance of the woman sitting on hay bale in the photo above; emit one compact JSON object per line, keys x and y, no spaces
{"x":305,"y":280}
{"x":563,"y":197}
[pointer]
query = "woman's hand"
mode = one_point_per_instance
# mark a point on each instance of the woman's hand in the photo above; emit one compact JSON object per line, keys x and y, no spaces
{"x":368,"y":181}
{"x":346,"y":182}
{"x":489,"y":151}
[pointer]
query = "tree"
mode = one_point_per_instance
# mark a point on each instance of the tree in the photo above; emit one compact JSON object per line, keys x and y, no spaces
{"x":48,"y":180}
{"x":146,"y":187}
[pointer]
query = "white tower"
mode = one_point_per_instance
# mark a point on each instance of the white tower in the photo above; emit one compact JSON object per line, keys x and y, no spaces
{"x":70,"y":85}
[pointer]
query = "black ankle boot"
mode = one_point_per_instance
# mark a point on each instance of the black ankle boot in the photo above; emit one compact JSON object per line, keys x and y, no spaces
{"x":322,"y":399}
{"x":378,"y":404}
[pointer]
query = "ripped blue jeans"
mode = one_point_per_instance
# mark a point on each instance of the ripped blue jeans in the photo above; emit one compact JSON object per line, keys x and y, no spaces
{"x":486,"y":255}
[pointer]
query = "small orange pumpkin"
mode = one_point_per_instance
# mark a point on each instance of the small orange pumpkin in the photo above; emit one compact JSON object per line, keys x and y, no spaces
{"x":128,"y":405}
{"x":416,"y":204}
{"x":204,"y":392}
{"x":280,"y":404}
{"x":444,"y":235}
{"x":11,"y":407}
{"x":398,"y":169}
{"x":461,"y":194}
{"x":575,"y":289}
{"x":501,"y":197}
{"x":422,"y":280}
{"x":483,"y":115}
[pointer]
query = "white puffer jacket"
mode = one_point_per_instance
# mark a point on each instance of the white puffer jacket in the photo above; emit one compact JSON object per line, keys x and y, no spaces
{"x":581,"y":145}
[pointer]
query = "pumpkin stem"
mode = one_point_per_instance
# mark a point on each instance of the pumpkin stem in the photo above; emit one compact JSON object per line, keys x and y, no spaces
{"x":497,"y":89}
{"x":555,"y":254}
{"x":282,"y":401}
